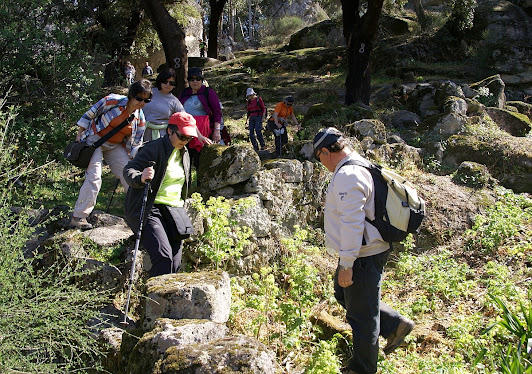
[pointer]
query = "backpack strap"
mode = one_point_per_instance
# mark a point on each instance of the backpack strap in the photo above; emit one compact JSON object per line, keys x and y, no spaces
{"x":114,"y":131}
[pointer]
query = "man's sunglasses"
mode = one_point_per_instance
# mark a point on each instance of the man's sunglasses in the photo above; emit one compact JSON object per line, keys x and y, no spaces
{"x":140,"y":99}
{"x":195,"y":79}
{"x":182,"y":137}
{"x":171,"y":83}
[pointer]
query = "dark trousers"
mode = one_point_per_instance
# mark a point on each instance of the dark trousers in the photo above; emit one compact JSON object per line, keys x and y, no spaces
{"x":366,"y":314}
{"x":280,"y":139}
{"x":255,"y":126}
{"x":162,"y":241}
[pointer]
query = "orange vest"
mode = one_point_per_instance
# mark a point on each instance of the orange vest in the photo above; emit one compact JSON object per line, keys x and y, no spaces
{"x":124,"y":131}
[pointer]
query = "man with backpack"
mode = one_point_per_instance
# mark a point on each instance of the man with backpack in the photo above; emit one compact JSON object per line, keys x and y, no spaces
{"x":362,"y":251}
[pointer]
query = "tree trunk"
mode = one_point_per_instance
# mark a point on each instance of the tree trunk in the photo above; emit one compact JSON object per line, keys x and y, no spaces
{"x":217,"y":7}
{"x":172,"y":38}
{"x":420,"y":14}
{"x":250,"y":22}
{"x":359,"y":33}
{"x":231,"y":20}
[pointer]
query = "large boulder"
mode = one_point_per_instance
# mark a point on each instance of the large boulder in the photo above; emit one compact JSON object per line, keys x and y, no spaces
{"x":508,"y":33}
{"x":522,"y":107}
{"x":515,"y":124}
{"x":237,"y":354}
{"x":222,"y":166}
{"x":199,"y":295}
{"x":451,"y":208}
{"x":372,"y":128}
{"x":287,"y":202}
{"x":170,"y":333}
{"x":508,"y":158}
{"x":395,"y":25}
{"x":447,"y":125}
{"x":405,"y":119}
{"x":255,"y":217}
{"x":326,"y":33}
{"x":472,"y":174}
{"x":495,"y":95}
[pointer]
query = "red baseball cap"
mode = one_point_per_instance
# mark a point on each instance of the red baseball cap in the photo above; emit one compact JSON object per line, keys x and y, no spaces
{"x":186,"y":124}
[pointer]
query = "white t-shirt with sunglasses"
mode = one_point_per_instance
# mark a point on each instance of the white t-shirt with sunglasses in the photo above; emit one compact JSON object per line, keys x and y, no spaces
{"x":161,"y":107}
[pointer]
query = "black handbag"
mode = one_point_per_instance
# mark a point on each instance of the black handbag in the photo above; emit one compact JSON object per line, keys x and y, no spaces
{"x":80,"y":153}
{"x":182,"y":221}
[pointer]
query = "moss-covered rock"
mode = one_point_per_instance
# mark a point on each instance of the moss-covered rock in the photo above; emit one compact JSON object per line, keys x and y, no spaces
{"x":170,"y":333}
{"x":232,"y":355}
{"x":508,"y":158}
{"x":454,"y":104}
{"x":515,"y":124}
{"x":523,"y":108}
{"x":472,"y":174}
{"x":372,"y":128}
{"x":326,"y":33}
{"x":222,"y":166}
{"x":199,"y":295}
{"x":496,"y":86}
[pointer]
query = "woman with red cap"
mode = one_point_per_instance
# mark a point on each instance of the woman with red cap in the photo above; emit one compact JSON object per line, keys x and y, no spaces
{"x":164,"y":162}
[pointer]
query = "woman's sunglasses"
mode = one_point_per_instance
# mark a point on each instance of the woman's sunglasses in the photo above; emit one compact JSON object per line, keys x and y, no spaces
{"x":171,"y":83}
{"x":140,"y":99}
{"x":182,"y":137}
{"x":195,"y":79}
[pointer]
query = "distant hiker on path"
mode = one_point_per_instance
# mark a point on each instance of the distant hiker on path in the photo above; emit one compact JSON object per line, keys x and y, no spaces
{"x":170,"y":177}
{"x":147,"y":70}
{"x":282,"y":114}
{"x":256,"y":110}
{"x":100,"y":119}
{"x":129,"y":72}
{"x":361,"y":251}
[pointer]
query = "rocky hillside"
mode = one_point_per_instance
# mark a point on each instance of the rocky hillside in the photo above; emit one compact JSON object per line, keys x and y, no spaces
{"x":255,"y":293}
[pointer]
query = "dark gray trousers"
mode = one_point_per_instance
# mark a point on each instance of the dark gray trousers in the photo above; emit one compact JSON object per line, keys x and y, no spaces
{"x":366,"y":314}
{"x":162,"y":241}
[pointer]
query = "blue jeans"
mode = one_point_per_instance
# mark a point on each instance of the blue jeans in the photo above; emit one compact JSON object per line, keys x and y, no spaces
{"x":255,"y":126}
{"x":367,"y":315}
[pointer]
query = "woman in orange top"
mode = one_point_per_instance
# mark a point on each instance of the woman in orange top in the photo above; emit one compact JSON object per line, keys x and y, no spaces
{"x":282,"y":114}
{"x":100,"y":119}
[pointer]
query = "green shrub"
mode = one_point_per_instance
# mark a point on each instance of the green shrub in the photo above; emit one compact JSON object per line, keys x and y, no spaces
{"x":501,"y":222}
{"x":44,"y":310}
{"x":222,"y":240}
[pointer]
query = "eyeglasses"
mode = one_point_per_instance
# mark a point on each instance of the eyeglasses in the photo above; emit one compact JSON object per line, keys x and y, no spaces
{"x":195,"y":79}
{"x":140,"y":99}
{"x":182,"y":137}
{"x":171,"y":83}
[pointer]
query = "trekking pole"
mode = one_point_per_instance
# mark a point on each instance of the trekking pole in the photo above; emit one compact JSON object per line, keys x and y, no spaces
{"x":112,"y":195}
{"x":137,"y":243}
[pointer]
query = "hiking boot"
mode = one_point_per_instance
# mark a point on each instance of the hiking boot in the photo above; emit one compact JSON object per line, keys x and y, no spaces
{"x":80,"y":223}
{"x":398,"y":336}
